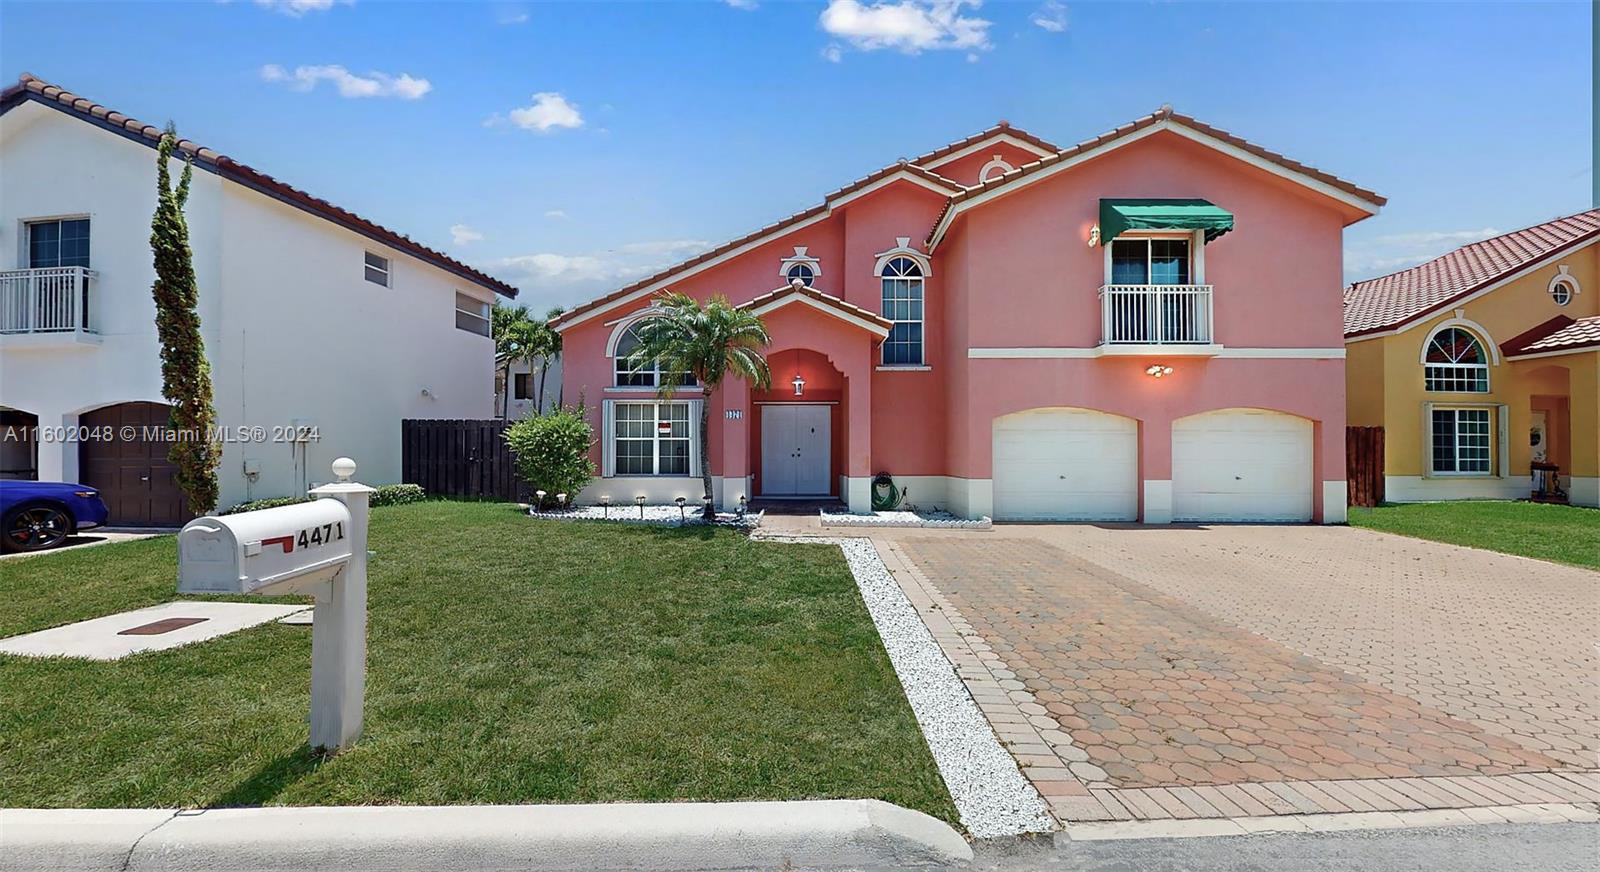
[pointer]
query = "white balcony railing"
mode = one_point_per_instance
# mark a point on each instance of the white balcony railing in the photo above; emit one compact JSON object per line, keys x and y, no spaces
{"x":47,"y":300}
{"x":1155,"y":315}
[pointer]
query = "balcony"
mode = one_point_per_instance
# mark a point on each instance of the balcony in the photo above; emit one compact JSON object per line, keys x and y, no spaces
{"x":50,"y":306}
{"x":1156,"y":319}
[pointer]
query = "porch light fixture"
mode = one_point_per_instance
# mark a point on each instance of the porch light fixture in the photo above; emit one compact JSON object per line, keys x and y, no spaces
{"x":799,"y":385}
{"x":1156,"y":370}
{"x":1094,"y":236}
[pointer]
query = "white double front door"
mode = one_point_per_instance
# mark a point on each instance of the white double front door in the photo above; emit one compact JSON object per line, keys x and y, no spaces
{"x":796,"y":450}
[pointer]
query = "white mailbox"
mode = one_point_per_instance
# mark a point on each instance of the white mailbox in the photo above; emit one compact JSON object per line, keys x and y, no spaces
{"x":317,"y":548}
{"x":290,"y":549}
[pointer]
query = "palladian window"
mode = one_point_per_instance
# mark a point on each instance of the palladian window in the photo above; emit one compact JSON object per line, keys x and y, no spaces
{"x":1455,"y":362}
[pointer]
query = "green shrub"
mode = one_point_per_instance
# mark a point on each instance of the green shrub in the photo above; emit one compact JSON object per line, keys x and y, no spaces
{"x":552,"y":451}
{"x":398,"y":495}
{"x":386,"y":495}
{"x":268,"y":503}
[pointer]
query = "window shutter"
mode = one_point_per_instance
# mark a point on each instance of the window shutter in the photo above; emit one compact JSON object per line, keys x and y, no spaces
{"x":1503,"y":439}
{"x":608,"y":442}
{"x":694,"y":437}
{"x":1427,"y":440}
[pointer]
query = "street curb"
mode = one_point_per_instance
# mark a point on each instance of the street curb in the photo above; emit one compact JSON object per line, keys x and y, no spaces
{"x":819,"y":834}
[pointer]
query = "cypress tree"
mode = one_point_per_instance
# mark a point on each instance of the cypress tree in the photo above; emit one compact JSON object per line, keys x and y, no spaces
{"x":185,"y":373}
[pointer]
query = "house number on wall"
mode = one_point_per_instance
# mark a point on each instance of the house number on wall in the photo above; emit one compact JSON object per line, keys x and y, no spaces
{"x":734,"y":414}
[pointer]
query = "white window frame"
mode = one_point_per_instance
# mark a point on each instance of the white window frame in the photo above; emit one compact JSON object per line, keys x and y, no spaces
{"x":618,"y":366}
{"x":480,"y":313}
{"x":1495,"y":417}
{"x":1453,"y":372}
{"x":609,"y":442}
{"x":385,"y":272}
{"x":920,"y":282}
{"x":25,"y":236}
{"x":1197,"y":253}
{"x":799,"y":258}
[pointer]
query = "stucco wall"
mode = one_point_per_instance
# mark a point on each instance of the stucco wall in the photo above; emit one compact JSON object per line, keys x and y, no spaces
{"x":292,"y":330}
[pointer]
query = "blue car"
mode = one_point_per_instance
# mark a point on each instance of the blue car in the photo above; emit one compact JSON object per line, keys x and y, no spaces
{"x":35,"y":515}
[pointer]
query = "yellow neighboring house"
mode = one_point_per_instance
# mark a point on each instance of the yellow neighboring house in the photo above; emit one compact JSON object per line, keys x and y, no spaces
{"x":1482,"y":362}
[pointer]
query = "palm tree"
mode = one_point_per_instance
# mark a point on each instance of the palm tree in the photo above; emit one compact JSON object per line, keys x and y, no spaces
{"x":709,"y":342}
{"x":514,"y":335}
{"x":549,"y":350}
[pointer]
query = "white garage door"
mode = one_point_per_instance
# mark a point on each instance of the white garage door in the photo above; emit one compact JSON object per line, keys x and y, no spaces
{"x":1241,"y":465}
{"x":1066,"y":465}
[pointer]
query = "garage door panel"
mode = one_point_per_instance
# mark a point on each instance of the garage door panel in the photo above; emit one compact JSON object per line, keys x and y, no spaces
{"x":1067,"y":465}
{"x":1242,"y":465}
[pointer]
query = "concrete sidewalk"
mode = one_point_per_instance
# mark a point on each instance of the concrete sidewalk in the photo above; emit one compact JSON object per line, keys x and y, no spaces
{"x":832,"y":834}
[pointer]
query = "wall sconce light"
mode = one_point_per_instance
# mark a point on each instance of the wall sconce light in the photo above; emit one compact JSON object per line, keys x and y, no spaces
{"x":1157,"y":370}
{"x":799,"y":385}
{"x":1094,"y":236}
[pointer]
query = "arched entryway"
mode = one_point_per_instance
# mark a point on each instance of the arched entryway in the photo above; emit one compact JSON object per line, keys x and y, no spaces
{"x":129,"y":466}
{"x":800,"y":427}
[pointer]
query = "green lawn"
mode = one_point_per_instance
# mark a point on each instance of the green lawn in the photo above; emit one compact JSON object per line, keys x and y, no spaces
{"x":1565,"y":534}
{"x":510,"y":661}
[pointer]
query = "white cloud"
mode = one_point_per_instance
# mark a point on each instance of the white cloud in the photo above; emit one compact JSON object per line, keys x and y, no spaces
{"x":1052,"y":16}
{"x":909,"y":26}
{"x":742,"y":4}
{"x":510,"y":14}
{"x":461,"y":234}
{"x":297,"y":8}
{"x":566,"y":278}
{"x":549,"y":111}
{"x":1392,"y":252}
{"x":556,"y":214}
{"x":832,"y":53}
{"x":305,"y":78}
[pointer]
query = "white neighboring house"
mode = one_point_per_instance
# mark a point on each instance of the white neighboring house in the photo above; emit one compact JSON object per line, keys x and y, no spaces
{"x":322,"y":328}
{"x":522,"y":389}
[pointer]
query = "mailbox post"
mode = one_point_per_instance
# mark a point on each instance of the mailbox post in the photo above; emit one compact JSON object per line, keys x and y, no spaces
{"x":318,"y":548}
{"x":339,"y":625}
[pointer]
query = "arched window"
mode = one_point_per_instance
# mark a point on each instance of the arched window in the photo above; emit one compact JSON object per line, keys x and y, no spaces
{"x":1562,"y":290}
{"x":801,"y":271}
{"x":902,"y":304}
{"x":1455,"y":362}
{"x":643,"y":377}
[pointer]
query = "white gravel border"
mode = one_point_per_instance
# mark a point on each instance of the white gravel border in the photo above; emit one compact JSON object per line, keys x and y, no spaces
{"x":904,"y":518}
{"x":990,"y":793}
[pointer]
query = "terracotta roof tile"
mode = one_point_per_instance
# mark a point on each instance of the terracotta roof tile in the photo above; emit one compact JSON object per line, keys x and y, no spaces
{"x":1568,"y":335}
{"x":1387,"y":301}
{"x":1165,"y":113}
{"x":31,"y":87}
{"x":1004,"y":127}
{"x":819,"y":296}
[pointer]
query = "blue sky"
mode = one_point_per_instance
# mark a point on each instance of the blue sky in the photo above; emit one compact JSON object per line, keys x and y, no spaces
{"x":572,"y":147}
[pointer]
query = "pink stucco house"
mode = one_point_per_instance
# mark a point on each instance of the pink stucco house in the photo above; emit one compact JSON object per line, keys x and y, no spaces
{"x":1145,"y":326}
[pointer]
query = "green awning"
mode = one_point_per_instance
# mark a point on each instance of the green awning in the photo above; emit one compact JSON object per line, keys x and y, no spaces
{"x":1120,"y":216}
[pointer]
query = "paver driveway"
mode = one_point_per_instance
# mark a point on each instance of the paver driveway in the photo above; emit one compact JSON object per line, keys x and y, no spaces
{"x":1181,"y":671}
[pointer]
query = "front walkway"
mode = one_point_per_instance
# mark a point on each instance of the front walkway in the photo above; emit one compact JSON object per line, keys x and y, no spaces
{"x":1140,"y":673}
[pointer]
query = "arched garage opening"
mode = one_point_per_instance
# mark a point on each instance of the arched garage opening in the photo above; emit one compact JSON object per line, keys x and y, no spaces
{"x":19,"y":450}
{"x":1242,"y":465}
{"x":130,"y":468}
{"x":1066,"y":464}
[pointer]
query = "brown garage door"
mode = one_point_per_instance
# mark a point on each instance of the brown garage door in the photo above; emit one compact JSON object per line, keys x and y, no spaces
{"x":133,"y":476}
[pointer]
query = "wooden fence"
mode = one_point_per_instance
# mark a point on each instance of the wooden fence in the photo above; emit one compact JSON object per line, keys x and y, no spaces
{"x":459,"y":458}
{"x":1363,"y":458}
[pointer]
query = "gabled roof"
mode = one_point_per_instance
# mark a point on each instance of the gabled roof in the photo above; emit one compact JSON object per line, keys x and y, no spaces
{"x":1556,"y":336}
{"x":645,"y":286}
{"x":1163,"y":118}
{"x":31,"y":88}
{"x":867,"y":320}
{"x":1390,"y":301}
{"x":1002,"y":130}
